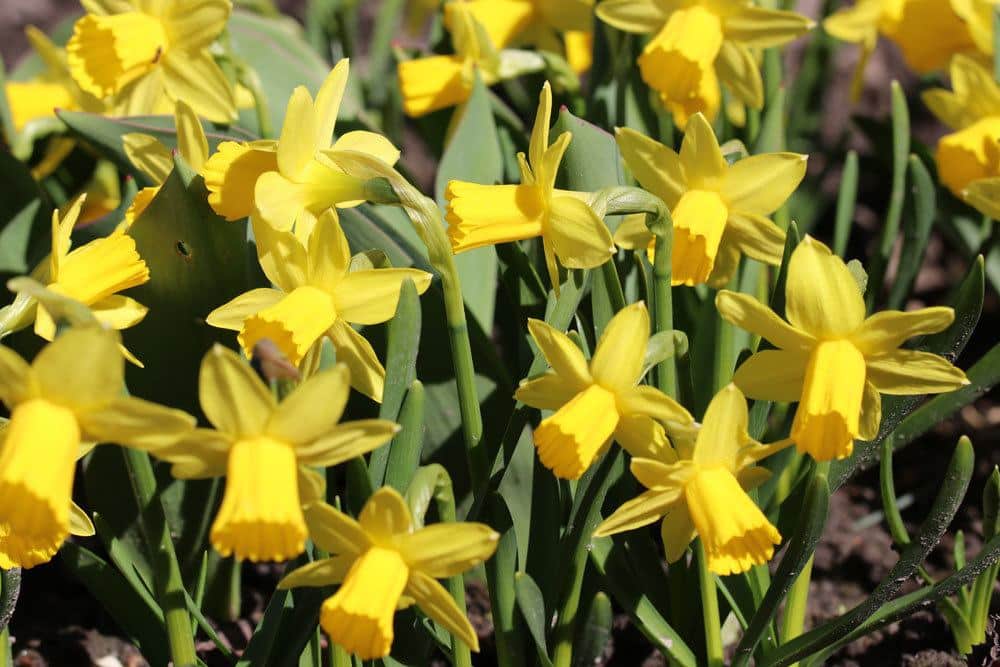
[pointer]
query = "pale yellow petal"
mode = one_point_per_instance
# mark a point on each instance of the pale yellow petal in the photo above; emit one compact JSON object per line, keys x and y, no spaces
{"x":822,"y":297}
{"x":885,"y":331}
{"x":191,"y":139}
{"x":81,"y":368}
{"x":195,"y":78}
{"x":750,"y":314}
{"x":371,"y":297}
{"x":539,"y":142}
{"x":764,"y":28}
{"x":760,"y":184}
{"x":447,"y":549}
{"x":637,"y":16}
{"x":231,"y":174}
{"x":641,"y":511}
{"x":756,"y":236}
{"x":984,"y":196}
{"x":656,"y":167}
{"x":119,"y":312}
{"x":328,"y":101}
{"x":655,"y":474}
{"x":202,"y":454}
{"x":347,"y":441}
{"x":282,"y":256}
{"x":633,"y":234}
{"x":618,"y":360}
{"x":435,"y":601}
{"x":313,"y":408}
{"x":724,"y":428}
{"x":233,"y":397}
{"x":297,"y":145}
{"x":385,"y":515}
{"x":329,"y":252}
{"x":738,"y":69}
{"x":195,"y":24}
{"x":773,"y":375}
{"x":16,"y":383}
{"x":871,"y":412}
{"x":233,"y":314}
{"x":912,"y":373}
{"x":335,"y":532}
{"x":366,"y":142}
{"x":133,"y":422}
{"x":148,"y":155}
{"x":580,"y":238}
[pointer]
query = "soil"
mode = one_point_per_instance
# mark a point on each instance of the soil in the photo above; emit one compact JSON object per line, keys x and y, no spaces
{"x":59,"y":623}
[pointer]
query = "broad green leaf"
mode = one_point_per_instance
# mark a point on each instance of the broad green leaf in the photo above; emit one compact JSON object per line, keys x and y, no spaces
{"x":404,"y":450}
{"x":472,"y":153}
{"x":197,"y":262}
{"x":500,"y":571}
{"x":592,"y":636}
{"x":532,"y":606}
{"x":25,"y":218}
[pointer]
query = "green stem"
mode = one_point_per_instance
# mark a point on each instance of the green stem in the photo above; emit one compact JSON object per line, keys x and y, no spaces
{"x":249,"y":78}
{"x":613,"y":284}
{"x":709,"y":608}
{"x":166,"y":572}
{"x":794,"y":620}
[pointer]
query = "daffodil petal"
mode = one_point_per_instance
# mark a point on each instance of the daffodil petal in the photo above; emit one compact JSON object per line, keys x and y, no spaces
{"x":886,"y":331}
{"x":297,"y":145}
{"x":871,"y":412}
{"x":912,"y":373}
{"x":193,"y":76}
{"x":197,"y":23}
{"x":328,"y":251}
{"x":232,"y":315}
{"x":756,"y":236}
{"x":448,"y":549}
{"x":347,"y":441}
{"x":656,"y":167}
{"x":231,"y":175}
{"x":385,"y":515}
{"x":655,"y":474}
{"x":202,"y":454}
{"x":724,"y":428}
{"x":646,"y":400}
{"x":763,"y":28}
{"x":298,"y":420}
{"x":325,"y":572}
{"x":773,"y":375}
{"x":281,"y":255}
{"x":677,"y":532}
{"x":618,"y":360}
{"x":641,"y":511}
{"x":760,"y":184}
{"x":367,"y":373}
{"x":371,"y":297}
{"x":148,"y":155}
{"x":16,"y":383}
{"x":119,"y":312}
{"x":561,"y":352}
{"x":750,"y":314}
{"x":546,"y":392}
{"x":738,"y":70}
{"x":704,"y":164}
{"x":79,"y":522}
{"x":580,"y":238}
{"x":435,"y":601}
{"x":81,"y":368}
{"x":636,"y":16}
{"x":233,"y":397}
{"x":133,"y":422}
{"x":191,"y":139}
{"x":371,"y":143}
{"x":857,"y":23}
{"x":328,"y":101}
{"x":984,"y":196}
{"x":633,"y":234}
{"x":640,"y":435}
{"x":335,"y":532}
{"x":822,"y":297}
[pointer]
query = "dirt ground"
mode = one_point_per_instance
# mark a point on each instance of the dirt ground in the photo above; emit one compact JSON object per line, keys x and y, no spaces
{"x":58,"y":623}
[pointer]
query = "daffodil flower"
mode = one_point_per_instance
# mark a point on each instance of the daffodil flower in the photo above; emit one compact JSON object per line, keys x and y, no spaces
{"x":316,"y":295}
{"x":383,"y":562}
{"x":928,"y":32}
{"x":831,"y":358}
{"x":156,"y":161}
{"x":698,"y":44}
{"x":481,"y":215}
{"x":68,"y":396}
{"x":438,"y":82}
{"x":291,"y":182}
{"x":147,"y":54}
{"x":972,"y":110}
{"x":599,"y":401}
{"x":702,"y":492}
{"x":558,"y":26}
{"x":92,"y":274}
{"x":719,"y":210}
{"x":260,"y":446}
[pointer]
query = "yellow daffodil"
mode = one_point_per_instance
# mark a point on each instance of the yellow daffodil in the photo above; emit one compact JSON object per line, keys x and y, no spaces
{"x":41,"y":95}
{"x":972,"y":110}
{"x":317,"y":295}
{"x":259,"y":445}
{"x":70,"y":394}
{"x":600,"y":401}
{"x":719,"y":210}
{"x":155,"y":160}
{"x":928,"y":32}
{"x":559,"y":26}
{"x":831,"y":358}
{"x":702,"y":492}
{"x":291,"y":182}
{"x":438,"y":82}
{"x":147,"y":54}
{"x":92,"y":274}
{"x":697,"y":44}
{"x":481,"y":215}
{"x":384,"y":562}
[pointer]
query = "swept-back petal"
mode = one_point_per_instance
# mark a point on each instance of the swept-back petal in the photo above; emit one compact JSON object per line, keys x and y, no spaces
{"x":657,"y":475}
{"x":133,"y":422}
{"x":636,"y":16}
{"x":886,"y":331}
{"x":326,"y":572}
{"x":447,"y":549}
{"x":579,"y":237}
{"x":773,"y":375}
{"x":738,"y":70}
{"x":385,"y":516}
{"x":81,"y":368}
{"x":148,"y":155}
{"x":677,"y":531}
{"x":191,"y":139}
{"x":313,"y":408}
{"x":755,"y":236}
{"x":297,"y":146}
{"x":201,"y":454}
{"x":365,"y":142}
{"x":760,"y":184}
{"x":704,"y":165}
{"x":347,"y":441}
{"x":193,"y":76}
{"x":546,"y":392}
{"x":232,"y":315}
{"x":233,"y":397}
{"x":539,"y":142}
{"x":912,"y":373}
{"x":871,"y":412}
{"x":118,"y":312}
{"x":561,"y":352}
{"x":328,"y":251}
{"x":641,"y":435}
{"x":371,"y":297}
{"x":367,"y":373}
{"x":195,"y":24}
{"x":328,"y":100}
{"x":641,"y":511}
{"x":620,"y":354}
{"x":16,"y":382}
{"x":646,"y":400}
{"x":822,"y":297}
{"x":763,"y":28}
{"x":656,"y":167}
{"x":750,"y":314}
{"x":435,"y":601}
{"x":335,"y":532}
{"x":724,"y":428}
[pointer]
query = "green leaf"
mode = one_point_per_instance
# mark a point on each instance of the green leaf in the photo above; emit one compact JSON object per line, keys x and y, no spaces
{"x":593,"y":635}
{"x":800,"y":549}
{"x":532,"y":606}
{"x":916,"y":232}
{"x":500,"y":575}
{"x":628,"y":590}
{"x":473,"y":154}
{"x":24,"y":218}
{"x":847,"y":198}
{"x":132,"y":612}
{"x":949,"y":497}
{"x":404,"y":450}
{"x":400,"y":370}
{"x":772,"y":128}
{"x":197,"y":262}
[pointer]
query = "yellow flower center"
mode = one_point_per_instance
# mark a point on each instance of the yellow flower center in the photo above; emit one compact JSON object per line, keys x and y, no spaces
{"x":569,"y":440}
{"x":293,"y":324}
{"x":37,"y":461}
{"x":699,"y":222}
{"x":481,"y":215}
{"x":101,"y":268}
{"x":679,"y":63}
{"x":826,"y":421}
{"x":359,"y":615}
{"x":106,"y":53}
{"x":260,"y":517}
{"x":736,"y":534}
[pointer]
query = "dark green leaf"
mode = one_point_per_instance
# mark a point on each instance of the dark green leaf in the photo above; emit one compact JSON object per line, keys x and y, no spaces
{"x":593,"y":635}
{"x":532,"y":606}
{"x":916,"y":231}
